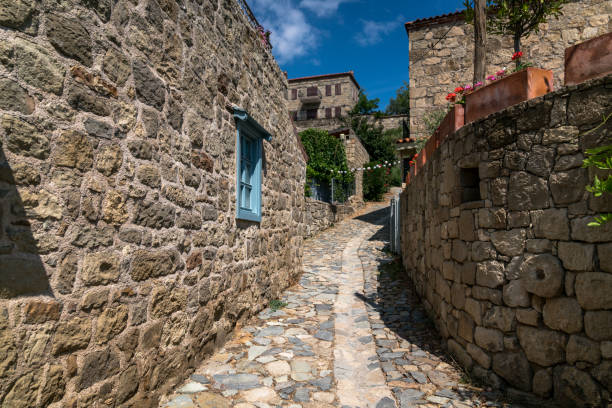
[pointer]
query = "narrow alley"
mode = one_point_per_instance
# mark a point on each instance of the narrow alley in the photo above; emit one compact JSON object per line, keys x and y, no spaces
{"x":350,"y":334}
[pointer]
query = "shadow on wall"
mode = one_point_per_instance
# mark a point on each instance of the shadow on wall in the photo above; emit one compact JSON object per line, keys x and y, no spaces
{"x":402,"y":312}
{"x":21,"y":270}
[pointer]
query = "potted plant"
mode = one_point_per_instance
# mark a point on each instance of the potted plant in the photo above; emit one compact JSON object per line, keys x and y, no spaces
{"x":517,"y":18}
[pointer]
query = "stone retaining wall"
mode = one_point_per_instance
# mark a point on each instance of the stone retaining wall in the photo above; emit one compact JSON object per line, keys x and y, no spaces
{"x":515,"y":280}
{"x":320,"y":215}
{"x":122,"y":265}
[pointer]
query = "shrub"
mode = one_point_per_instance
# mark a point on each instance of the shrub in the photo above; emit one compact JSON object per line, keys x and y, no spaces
{"x":375,"y":183}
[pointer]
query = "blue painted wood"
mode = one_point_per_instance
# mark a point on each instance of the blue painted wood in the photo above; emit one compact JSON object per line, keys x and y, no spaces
{"x":249,"y":148}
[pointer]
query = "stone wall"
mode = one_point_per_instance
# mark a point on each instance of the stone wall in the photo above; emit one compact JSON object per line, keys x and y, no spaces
{"x":356,"y":156}
{"x":122,"y":264}
{"x":434,"y":73}
{"x":320,"y":215}
{"x":516,"y":282}
{"x":389,"y":122}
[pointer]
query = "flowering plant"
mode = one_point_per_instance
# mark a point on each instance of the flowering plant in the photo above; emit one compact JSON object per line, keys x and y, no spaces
{"x":265,"y":37}
{"x":520,"y":65}
{"x":491,"y":78}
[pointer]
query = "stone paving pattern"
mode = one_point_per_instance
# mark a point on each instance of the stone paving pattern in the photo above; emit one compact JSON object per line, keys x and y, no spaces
{"x":348,"y":337}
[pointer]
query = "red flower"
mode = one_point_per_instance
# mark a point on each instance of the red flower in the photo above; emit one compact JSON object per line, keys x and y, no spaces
{"x":516,"y":55}
{"x":451,"y":97}
{"x":459,"y":89}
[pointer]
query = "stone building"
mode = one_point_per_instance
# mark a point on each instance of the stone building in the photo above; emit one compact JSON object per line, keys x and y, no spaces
{"x":495,"y":239}
{"x":441,"y":52}
{"x":151,"y":194}
{"x":322,"y":101}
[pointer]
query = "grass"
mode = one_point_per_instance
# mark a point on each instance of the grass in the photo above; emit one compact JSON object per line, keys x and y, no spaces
{"x":277,"y":304}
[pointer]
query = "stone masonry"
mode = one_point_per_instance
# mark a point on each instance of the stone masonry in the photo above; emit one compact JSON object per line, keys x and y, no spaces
{"x":335,"y":96}
{"x":434,"y":73}
{"x":517,"y":283}
{"x":122,"y":264}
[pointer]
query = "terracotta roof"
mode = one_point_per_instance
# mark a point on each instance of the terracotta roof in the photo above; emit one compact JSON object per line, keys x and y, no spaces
{"x":441,"y":19}
{"x":326,"y":76}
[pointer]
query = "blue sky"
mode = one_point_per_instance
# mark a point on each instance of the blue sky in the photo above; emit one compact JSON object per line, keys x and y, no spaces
{"x":312,"y":37}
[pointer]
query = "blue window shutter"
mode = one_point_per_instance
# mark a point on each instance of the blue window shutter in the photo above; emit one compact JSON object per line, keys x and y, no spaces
{"x":249,"y":149}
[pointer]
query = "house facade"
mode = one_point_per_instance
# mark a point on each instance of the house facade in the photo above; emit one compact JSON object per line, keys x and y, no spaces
{"x":322,"y":101}
{"x":151,"y":198}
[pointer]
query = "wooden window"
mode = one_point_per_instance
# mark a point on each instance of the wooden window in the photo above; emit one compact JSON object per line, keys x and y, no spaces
{"x":328,"y":113}
{"x":311,"y":114}
{"x":249,"y":166}
{"x":312,"y":91}
{"x":294,"y":94}
{"x":338,"y":111}
{"x":338,"y":89}
{"x":328,"y":90}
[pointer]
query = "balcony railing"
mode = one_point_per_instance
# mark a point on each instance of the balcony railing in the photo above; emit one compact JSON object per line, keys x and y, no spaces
{"x":313,"y":96}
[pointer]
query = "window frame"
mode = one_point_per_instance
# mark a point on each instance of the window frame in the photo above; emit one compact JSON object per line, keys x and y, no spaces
{"x":339,"y":89}
{"x":328,"y":90}
{"x":247,"y":127}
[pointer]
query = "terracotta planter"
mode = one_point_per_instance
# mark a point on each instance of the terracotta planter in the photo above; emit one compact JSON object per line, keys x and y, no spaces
{"x":453,"y":120}
{"x":588,"y":60}
{"x":515,"y":88}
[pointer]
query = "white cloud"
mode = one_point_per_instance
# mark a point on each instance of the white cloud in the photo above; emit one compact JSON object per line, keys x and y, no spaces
{"x":322,"y":8}
{"x":292,"y":35}
{"x":373,"y":31}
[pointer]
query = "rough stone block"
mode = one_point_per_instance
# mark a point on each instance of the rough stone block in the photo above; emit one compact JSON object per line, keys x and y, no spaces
{"x":148,"y":264}
{"x":501,"y":318}
{"x":594,"y":290}
{"x":467,"y":230}
{"x":598,"y":325}
{"x":489,"y":339}
{"x":541,"y":160}
{"x":575,"y":388}
{"x":514,"y":368}
{"x":515,"y":294}
{"x":551,"y":224}
{"x":97,"y":366}
{"x":568,"y":186}
{"x":582,"y":232}
{"x":564,"y":314}
{"x":528,"y":316}
{"x":70,"y":38}
{"x":482,"y":251}
{"x":543,"y":347}
{"x":490,"y":274}
{"x":460,"y":354}
{"x":527,"y":192}
{"x":510,"y":243}
{"x":604,"y":253}
{"x":542,"y":383}
{"x":580,"y":348}
{"x":474,"y":309}
{"x":576,"y":256}
{"x":479,"y":355}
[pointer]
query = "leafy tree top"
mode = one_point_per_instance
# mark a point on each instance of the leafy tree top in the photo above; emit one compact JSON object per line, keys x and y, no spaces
{"x":400,"y":105}
{"x":517,"y":18}
{"x":326,"y":156}
{"x":365,"y":106}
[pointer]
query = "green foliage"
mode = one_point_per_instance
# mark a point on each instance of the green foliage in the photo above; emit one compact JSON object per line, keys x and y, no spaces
{"x":517,"y":18}
{"x":375,"y":183}
{"x":400,"y":105}
{"x":600,"y":158}
{"x":379,"y":144}
{"x":433,"y":119}
{"x":326,"y":155}
{"x":396,"y":176}
{"x":277,"y":304}
{"x":365,"y":106}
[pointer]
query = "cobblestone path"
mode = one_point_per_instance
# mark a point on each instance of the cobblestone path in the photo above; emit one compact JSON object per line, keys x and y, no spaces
{"x":352,"y":334}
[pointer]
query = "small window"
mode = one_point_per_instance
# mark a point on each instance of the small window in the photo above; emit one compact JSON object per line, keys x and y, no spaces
{"x":470,"y":185}
{"x":312,"y":91}
{"x":328,"y":113}
{"x":328,"y":90}
{"x":294,"y":94}
{"x":338,"y":89}
{"x":248,"y":166}
{"x":338,"y":111}
{"x":294,"y":115}
{"x":311,"y":114}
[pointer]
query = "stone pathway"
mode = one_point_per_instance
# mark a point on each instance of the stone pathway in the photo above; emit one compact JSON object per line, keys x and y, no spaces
{"x":349,"y":336}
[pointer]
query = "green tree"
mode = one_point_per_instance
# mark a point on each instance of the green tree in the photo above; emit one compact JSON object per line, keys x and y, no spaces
{"x":601,"y":159}
{"x":517,"y":18}
{"x":326,"y":156}
{"x":364,"y":105}
{"x":400,"y":105}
